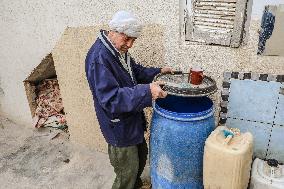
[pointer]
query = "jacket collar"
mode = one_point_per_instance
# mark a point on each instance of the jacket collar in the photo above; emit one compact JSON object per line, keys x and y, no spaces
{"x":108,"y":44}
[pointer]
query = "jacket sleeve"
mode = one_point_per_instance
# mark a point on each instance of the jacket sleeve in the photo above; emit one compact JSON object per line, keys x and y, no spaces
{"x":116,"y":99}
{"x":144,"y":74}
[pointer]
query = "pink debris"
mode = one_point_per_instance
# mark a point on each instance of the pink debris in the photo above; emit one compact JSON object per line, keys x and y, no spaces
{"x":49,"y":109}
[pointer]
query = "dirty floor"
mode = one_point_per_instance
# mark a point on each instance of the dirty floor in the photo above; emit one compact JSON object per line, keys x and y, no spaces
{"x":32,"y":158}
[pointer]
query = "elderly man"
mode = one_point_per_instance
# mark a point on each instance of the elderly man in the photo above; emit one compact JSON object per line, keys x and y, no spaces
{"x":121,"y":90}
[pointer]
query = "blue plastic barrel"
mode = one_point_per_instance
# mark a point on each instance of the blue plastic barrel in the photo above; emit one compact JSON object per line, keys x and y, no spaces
{"x":180,"y":126}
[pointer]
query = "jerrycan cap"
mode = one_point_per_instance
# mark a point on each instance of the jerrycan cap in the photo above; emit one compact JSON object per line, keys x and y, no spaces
{"x":272,"y":162}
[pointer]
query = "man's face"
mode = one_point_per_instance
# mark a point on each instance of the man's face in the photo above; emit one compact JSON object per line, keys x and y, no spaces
{"x":121,"y":41}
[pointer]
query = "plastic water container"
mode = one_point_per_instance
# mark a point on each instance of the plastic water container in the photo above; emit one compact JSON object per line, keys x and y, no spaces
{"x":267,"y":175}
{"x":180,"y":126}
{"x":227,"y":159}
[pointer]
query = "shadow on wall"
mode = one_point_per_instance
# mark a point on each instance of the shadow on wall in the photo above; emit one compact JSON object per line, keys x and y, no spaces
{"x":271,"y":34}
{"x":1,"y":93}
{"x":1,"y":90}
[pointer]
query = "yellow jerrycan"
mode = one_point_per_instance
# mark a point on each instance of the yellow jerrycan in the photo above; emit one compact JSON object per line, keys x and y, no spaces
{"x":227,"y":159}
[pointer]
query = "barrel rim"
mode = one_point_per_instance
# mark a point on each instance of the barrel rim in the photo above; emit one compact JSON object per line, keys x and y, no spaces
{"x":183,"y":116}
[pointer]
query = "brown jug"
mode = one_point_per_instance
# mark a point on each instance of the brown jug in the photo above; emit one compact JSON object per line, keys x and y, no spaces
{"x":195,"y":76}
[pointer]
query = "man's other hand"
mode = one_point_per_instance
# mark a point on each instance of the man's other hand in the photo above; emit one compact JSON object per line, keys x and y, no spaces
{"x":157,"y":91}
{"x":166,"y":70}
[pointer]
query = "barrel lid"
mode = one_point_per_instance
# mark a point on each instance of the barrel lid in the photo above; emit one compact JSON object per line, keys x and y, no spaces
{"x":177,"y":83}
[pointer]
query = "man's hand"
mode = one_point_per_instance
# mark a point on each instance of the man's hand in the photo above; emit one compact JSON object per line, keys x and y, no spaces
{"x":166,"y":70}
{"x":156,"y":90}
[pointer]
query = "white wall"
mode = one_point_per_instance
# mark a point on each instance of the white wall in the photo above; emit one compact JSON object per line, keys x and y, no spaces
{"x":29,"y":31}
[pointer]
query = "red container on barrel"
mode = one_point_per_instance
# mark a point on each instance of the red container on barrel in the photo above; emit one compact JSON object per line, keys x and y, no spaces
{"x":195,"y":76}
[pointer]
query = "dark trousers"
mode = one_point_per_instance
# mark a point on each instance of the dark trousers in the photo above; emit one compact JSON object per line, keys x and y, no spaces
{"x":128,"y":163}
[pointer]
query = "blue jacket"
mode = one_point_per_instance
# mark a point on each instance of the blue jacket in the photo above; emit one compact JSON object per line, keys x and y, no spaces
{"x":119,"y":100}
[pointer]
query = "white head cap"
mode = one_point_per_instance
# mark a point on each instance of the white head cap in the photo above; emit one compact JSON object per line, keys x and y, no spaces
{"x":127,"y":23}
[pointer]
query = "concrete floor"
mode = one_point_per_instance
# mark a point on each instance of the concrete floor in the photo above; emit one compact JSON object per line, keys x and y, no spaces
{"x":30,"y":158}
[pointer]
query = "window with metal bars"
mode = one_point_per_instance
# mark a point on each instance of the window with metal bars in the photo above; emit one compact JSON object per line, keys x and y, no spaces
{"x":219,"y":22}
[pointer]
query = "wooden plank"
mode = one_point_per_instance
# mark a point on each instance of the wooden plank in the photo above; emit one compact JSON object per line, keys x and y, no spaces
{"x":239,"y":23}
{"x":215,"y":8}
{"x":214,"y":12}
{"x":213,"y":24}
{"x":223,"y":17}
{"x":214,"y":29}
{"x":211,"y":37}
{"x":212,"y":20}
{"x":222,"y":1}
{"x":216,"y":4}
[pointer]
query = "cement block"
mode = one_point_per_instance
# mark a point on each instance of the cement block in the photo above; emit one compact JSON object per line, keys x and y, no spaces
{"x":43,"y":71}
